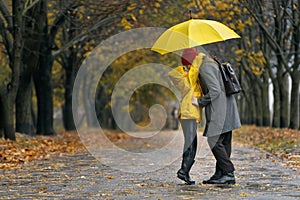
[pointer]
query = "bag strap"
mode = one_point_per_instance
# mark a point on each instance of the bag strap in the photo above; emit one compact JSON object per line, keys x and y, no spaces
{"x":223,"y":73}
{"x":215,"y":59}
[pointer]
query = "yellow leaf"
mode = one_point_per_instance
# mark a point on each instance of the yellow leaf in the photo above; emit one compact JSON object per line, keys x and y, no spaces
{"x":133,"y":17}
{"x":239,"y":51}
{"x":86,"y":54}
{"x":243,"y":194}
{"x":132,"y":6}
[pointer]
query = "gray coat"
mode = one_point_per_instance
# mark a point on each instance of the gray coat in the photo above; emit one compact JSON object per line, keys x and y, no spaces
{"x":220,"y":110}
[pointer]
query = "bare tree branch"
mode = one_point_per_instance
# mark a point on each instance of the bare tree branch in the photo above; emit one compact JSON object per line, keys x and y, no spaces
{"x":30,"y":6}
{"x":84,"y":35}
{"x":60,"y":20}
{"x":6,"y":39}
{"x":8,"y":18}
{"x":275,"y":46}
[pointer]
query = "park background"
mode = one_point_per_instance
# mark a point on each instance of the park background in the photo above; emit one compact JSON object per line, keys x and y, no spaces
{"x":43,"y":44}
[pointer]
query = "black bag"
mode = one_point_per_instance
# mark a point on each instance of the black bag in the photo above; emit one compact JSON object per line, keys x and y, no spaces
{"x":231,"y":83}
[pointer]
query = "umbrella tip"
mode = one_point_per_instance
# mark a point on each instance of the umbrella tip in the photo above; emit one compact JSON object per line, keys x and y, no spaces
{"x":190,"y":12}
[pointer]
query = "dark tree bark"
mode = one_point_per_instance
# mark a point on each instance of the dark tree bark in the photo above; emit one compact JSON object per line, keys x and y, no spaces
{"x":257,"y":96}
{"x":71,"y":64}
{"x":295,"y":75}
{"x":44,"y":93}
{"x":284,"y":100}
{"x":276,"y":105}
{"x":251,"y":101}
{"x":248,"y":108}
{"x":67,"y":107}
{"x":43,"y":78}
{"x":266,"y":116}
{"x":241,"y":102}
{"x":1,"y":119}
{"x":294,"y":114}
{"x":278,"y":38}
{"x":32,"y":35}
{"x":8,"y":116}
{"x":280,"y":50}
{"x":87,"y":102}
{"x":23,"y":107}
{"x":252,"y":110}
{"x":9,"y":91}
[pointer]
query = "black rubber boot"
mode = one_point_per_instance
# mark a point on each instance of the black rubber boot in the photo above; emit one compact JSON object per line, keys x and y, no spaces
{"x":183,"y":173}
{"x":187,"y":163}
{"x":189,"y":127}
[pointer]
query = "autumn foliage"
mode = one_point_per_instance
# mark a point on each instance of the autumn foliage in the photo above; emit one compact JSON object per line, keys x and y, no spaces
{"x":26,"y":149}
{"x":281,"y":143}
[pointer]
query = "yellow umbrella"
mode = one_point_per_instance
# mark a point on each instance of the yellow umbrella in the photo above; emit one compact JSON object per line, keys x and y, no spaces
{"x":192,"y":33}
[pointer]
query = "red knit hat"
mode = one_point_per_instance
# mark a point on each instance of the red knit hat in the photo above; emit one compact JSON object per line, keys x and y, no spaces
{"x":188,"y":55}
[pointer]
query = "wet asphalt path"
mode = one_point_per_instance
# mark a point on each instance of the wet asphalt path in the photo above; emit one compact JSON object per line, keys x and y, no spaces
{"x":81,"y":176}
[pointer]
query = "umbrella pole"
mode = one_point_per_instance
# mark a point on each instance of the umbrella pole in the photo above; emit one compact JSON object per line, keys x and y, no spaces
{"x":190,"y":14}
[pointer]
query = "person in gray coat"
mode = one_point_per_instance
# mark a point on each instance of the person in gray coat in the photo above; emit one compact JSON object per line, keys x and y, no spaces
{"x":221,"y":118}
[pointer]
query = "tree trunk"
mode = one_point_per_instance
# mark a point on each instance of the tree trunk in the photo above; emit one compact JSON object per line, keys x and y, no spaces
{"x":294,"y":114}
{"x":44,"y":93}
{"x":1,"y":118}
{"x":250,"y":113}
{"x":23,"y":107}
{"x":276,"y":105}
{"x":247,"y":114}
{"x":252,"y":110}
{"x":241,"y":107}
{"x":265,"y":104}
{"x":8,"y":94}
{"x":103,"y":115}
{"x":295,"y":75}
{"x":91,"y":119}
{"x":67,"y":107}
{"x":33,"y":32}
{"x":43,"y":79}
{"x":8,"y":117}
{"x":33,"y":117}
{"x":258,"y":104}
{"x":284,"y":101}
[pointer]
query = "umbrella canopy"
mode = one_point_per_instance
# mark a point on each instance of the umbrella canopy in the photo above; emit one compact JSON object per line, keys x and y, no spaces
{"x":192,"y":33}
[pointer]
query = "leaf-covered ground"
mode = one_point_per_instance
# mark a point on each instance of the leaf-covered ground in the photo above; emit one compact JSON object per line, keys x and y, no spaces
{"x":284,"y":143}
{"x":82,"y":176}
{"x":26,"y":148}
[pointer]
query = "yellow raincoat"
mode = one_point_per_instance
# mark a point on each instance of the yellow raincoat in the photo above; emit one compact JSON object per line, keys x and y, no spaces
{"x":188,"y":84}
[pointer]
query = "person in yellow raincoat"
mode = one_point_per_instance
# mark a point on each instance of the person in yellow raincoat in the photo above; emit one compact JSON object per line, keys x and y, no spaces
{"x":185,"y":78}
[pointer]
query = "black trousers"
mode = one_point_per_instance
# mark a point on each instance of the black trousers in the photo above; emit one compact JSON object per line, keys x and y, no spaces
{"x":221,"y":148}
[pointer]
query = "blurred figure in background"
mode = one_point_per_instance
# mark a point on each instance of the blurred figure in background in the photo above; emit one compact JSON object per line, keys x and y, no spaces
{"x":174,"y":114}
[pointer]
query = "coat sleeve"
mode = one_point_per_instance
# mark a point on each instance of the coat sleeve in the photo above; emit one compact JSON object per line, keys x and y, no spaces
{"x":210,"y":76}
{"x":180,"y":82}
